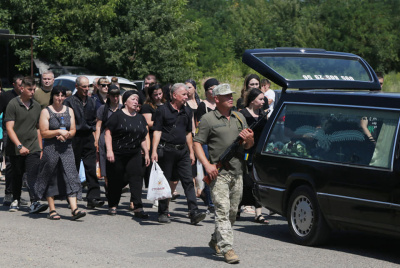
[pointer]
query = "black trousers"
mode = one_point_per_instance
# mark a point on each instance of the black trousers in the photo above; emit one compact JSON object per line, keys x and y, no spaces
{"x":84,"y":150}
{"x":20,"y":165}
{"x":125,"y":169}
{"x":176,"y":165}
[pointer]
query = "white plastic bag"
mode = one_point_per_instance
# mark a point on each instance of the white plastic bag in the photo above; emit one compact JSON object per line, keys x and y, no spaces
{"x":200,"y":175}
{"x":158,"y":184}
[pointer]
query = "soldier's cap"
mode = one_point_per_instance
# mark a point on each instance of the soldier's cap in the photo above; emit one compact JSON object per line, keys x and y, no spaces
{"x":222,"y":89}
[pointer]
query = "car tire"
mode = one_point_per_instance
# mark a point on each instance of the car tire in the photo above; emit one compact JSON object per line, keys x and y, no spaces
{"x":306,"y":222}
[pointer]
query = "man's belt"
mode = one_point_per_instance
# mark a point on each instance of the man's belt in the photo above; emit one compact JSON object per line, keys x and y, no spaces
{"x":174,"y":146}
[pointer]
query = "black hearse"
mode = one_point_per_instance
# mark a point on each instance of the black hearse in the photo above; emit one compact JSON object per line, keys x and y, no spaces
{"x":328,"y":157}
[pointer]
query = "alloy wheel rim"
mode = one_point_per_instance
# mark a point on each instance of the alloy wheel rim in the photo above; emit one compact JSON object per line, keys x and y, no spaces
{"x":302,"y":216}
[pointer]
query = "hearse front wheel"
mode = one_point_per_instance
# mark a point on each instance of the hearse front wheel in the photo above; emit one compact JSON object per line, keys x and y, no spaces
{"x":306,"y":222}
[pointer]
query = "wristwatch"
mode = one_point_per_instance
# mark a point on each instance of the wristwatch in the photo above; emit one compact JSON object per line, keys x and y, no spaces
{"x":19,"y":147}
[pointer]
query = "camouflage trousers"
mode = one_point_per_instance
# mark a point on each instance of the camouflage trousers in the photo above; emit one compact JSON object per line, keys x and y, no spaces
{"x":226,"y":193}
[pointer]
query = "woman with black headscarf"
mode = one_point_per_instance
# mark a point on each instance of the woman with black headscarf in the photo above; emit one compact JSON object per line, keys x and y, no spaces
{"x":125,"y":136}
{"x":206,"y":106}
{"x":253,"y":112}
{"x":209,"y":103}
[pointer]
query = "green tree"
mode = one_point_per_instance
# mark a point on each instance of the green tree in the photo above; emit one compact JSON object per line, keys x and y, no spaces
{"x":122,"y":37}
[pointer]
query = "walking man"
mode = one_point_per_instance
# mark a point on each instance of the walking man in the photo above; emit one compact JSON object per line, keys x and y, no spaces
{"x":219,"y":129}
{"x":83,"y":143}
{"x":42,"y":95}
{"x":173,"y":149}
{"x":24,"y":144}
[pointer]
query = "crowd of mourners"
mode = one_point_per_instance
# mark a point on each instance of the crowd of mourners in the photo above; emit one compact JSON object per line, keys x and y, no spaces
{"x":49,"y":133}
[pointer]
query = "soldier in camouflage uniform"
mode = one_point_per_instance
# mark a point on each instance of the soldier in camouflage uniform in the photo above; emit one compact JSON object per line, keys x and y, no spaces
{"x":218,"y":129}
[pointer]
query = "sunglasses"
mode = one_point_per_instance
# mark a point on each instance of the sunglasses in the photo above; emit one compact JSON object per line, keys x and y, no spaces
{"x":254,"y":84}
{"x":104,"y":85}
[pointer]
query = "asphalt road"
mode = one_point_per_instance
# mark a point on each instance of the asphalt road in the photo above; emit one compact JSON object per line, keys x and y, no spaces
{"x":99,"y":240}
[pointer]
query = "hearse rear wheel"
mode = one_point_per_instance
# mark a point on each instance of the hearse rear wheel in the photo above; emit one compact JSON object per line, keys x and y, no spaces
{"x":306,"y":222}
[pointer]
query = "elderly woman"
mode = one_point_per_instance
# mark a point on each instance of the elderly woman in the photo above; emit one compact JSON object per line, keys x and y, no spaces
{"x":125,"y":137}
{"x":58,"y":176}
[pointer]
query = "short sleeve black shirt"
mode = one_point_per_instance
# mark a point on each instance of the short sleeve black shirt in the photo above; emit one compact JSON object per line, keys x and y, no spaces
{"x":147,"y":109}
{"x":127,"y":132}
{"x":173,"y":124}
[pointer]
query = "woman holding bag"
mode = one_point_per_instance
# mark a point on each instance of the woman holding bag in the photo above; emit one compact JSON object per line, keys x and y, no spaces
{"x":125,"y":137}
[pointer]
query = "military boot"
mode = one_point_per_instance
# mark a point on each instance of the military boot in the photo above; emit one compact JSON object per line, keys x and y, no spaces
{"x":231,"y":257}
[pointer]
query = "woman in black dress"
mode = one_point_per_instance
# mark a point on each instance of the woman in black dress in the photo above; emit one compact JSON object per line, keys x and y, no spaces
{"x":155,"y":98}
{"x":103,"y":113}
{"x":125,"y":137}
{"x":58,"y":176}
{"x":254,"y":101}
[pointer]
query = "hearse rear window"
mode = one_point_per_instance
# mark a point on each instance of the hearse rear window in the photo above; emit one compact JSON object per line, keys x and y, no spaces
{"x":336,"y":134}
{"x":316,"y":67}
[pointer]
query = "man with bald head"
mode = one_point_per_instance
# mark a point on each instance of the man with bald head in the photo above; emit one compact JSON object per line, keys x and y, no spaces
{"x":83,"y":143}
{"x":42,"y":95}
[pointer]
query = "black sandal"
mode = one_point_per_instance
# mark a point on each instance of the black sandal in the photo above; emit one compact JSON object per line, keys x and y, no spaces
{"x":112,"y":212}
{"x":54,"y":216}
{"x":77,"y":214}
{"x":261,"y":219}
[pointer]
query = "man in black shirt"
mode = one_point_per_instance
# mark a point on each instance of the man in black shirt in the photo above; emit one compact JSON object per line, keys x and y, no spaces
{"x":173,"y":149}
{"x":83,"y":143}
{"x":5,"y":98}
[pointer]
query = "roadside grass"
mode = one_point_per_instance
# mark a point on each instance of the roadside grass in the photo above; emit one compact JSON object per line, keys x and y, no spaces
{"x":391,"y":82}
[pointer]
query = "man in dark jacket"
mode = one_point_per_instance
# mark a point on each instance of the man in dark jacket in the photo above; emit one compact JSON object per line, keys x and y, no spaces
{"x":83,"y":143}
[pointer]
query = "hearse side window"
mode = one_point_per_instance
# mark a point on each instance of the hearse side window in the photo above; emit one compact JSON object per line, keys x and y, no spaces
{"x":337,"y":134}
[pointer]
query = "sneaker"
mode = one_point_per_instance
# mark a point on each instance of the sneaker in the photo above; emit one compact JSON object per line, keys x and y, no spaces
{"x":163,"y":218}
{"x":7,"y":200}
{"x":36,"y":207}
{"x":231,"y":257}
{"x":197,"y":217}
{"x":213,"y":245}
{"x":14,"y":207}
